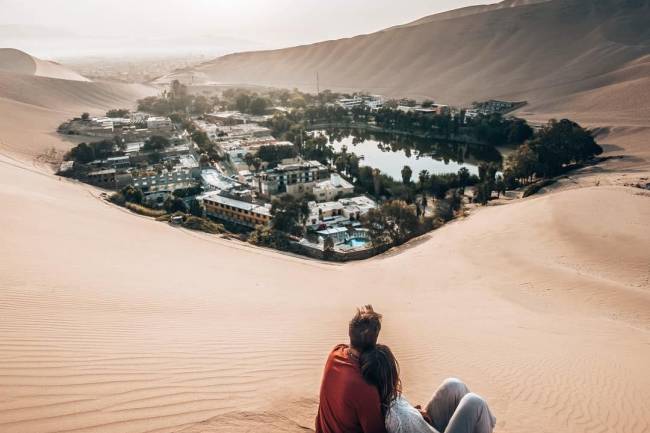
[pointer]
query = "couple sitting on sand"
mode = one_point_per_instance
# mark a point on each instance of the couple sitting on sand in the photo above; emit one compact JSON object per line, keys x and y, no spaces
{"x":361,"y":392}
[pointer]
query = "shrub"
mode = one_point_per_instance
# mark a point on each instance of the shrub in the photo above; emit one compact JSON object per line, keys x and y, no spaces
{"x":444,"y":210}
{"x":534,"y":188}
{"x":132,"y":194}
{"x":145,"y":211}
{"x":328,"y":248}
{"x":175,"y":204}
{"x":118,"y":199}
{"x":203,"y":225}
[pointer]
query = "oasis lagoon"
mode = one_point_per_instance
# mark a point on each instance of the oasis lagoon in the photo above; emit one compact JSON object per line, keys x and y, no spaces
{"x":390,"y":152}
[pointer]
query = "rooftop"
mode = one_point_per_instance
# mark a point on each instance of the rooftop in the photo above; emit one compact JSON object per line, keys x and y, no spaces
{"x":299,"y":166}
{"x":216,"y":197}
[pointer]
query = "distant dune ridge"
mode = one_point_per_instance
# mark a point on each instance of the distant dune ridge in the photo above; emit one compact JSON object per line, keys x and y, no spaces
{"x":541,"y":51}
{"x":37,"y":95}
{"x":19,"y":62}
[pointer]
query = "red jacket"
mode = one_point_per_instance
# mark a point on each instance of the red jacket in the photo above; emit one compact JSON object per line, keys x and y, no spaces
{"x":347,"y":403}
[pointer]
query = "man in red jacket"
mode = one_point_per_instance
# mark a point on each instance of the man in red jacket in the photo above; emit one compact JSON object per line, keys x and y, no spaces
{"x":347,"y":403}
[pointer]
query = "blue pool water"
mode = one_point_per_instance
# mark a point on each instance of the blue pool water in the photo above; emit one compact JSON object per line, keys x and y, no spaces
{"x":356,"y":243}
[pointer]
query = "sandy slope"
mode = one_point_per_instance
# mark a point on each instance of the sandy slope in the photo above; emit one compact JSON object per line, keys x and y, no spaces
{"x":111,"y":322}
{"x":19,"y":62}
{"x":533,"y":51}
{"x":32,"y":108}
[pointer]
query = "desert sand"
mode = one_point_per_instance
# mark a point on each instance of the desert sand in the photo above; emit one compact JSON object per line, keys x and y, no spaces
{"x":111,"y":322}
{"x":529,"y":50}
{"x":19,"y":62}
{"x":32,"y":108}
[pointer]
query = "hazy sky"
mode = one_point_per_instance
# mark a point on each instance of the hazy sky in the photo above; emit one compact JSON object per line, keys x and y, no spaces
{"x":206,"y":26}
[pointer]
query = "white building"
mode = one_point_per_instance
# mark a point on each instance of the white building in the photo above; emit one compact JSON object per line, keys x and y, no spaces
{"x":295,"y":179}
{"x":343,"y":212}
{"x":374,"y":102}
{"x":332,"y":188}
{"x":349,"y":103}
{"x":139,"y":117}
{"x":159,"y":123}
{"x":239,"y":211}
{"x":471,"y":113}
{"x":102,"y":123}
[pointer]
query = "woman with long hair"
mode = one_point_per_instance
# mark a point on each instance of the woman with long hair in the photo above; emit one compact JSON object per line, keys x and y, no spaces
{"x":452,"y":409}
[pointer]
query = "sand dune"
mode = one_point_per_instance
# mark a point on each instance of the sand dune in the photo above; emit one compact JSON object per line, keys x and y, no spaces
{"x":540,"y":52}
{"x":112,"y":322}
{"x":32,"y":107}
{"x":19,"y":62}
{"x":471,"y":10}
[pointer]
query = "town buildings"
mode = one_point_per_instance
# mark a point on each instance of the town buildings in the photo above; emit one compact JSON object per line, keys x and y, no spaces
{"x":158,"y":123}
{"x":227,"y":118}
{"x":295,"y":179}
{"x":342,"y":212}
{"x":374,"y":102}
{"x":234,"y":209}
{"x":332,"y":188}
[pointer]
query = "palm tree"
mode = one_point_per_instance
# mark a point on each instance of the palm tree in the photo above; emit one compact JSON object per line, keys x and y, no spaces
{"x":376,"y":179}
{"x":423,"y":177}
{"x":463,"y":178}
{"x":406,"y":175}
{"x":248,"y":159}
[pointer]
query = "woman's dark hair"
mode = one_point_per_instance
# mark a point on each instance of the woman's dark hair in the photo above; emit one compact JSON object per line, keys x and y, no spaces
{"x":379,"y":367}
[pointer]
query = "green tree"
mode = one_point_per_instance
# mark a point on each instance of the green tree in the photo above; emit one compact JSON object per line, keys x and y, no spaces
{"x":500,"y":186}
{"x":82,"y":153}
{"x":154,"y":157}
{"x":562,"y":143}
{"x":393,"y":223}
{"x":407,"y":173}
{"x":118,"y":112}
{"x":248,"y":159}
{"x":353,"y":166}
{"x":401,"y":218}
{"x":175,"y":204}
{"x":200,"y":138}
{"x":258,"y":105}
{"x":103,"y":149}
{"x":519,"y":131}
{"x":242,"y":103}
{"x":463,"y":178}
{"x":423,"y":179}
{"x":257,"y":163}
{"x":196,"y":208}
{"x":376,"y":181}
{"x":201,"y":105}
{"x":483,"y":193}
{"x":522,"y":163}
{"x":155,"y":143}
{"x":85,"y":116}
{"x":289,"y":214}
{"x":132,"y":194}
{"x":443,"y":210}
{"x":273,"y":154}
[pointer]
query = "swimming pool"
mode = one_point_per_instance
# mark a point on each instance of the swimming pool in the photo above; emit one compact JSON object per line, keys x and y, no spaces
{"x":355,"y":243}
